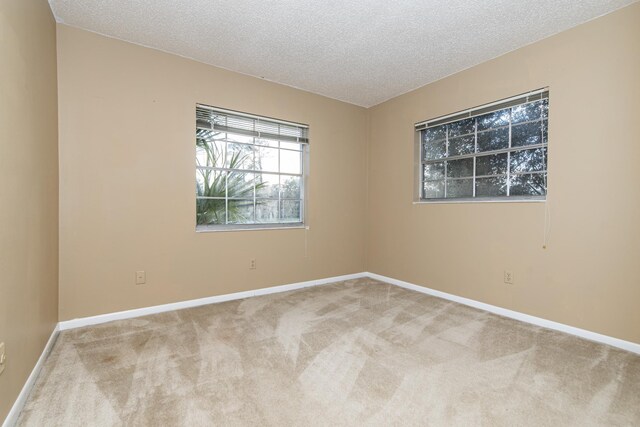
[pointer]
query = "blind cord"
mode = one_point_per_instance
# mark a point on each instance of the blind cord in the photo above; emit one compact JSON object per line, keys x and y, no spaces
{"x":547,"y":224}
{"x":306,"y":230}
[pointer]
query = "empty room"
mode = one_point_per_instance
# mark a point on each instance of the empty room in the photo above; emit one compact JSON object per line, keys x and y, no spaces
{"x":299,"y":213}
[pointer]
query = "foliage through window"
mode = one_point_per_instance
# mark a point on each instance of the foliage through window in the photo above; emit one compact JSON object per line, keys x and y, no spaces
{"x":496,"y":151}
{"x":249,"y":170}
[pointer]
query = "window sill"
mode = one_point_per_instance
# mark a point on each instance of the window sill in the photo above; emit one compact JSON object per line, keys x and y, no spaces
{"x":248,"y":227}
{"x":530,"y":199}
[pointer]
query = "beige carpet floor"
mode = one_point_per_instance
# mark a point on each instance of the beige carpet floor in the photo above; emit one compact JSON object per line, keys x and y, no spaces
{"x":359,"y":352}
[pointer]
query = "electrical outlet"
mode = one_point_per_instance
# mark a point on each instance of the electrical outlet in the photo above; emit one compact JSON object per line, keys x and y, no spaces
{"x":252,"y":264}
{"x":508,"y":277}
{"x":3,"y":357}
{"x":141,"y":277}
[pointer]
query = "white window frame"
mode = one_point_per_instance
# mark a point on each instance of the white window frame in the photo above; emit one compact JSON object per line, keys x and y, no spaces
{"x":276,"y":130}
{"x":522,"y":99}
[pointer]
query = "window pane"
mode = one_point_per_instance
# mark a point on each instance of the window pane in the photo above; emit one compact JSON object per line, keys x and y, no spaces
{"x":267,"y":185}
{"x":290,"y":186}
{"x":493,"y":139}
{"x":267,"y":143}
{"x":526,"y":112}
{"x":462,"y":127}
{"x":434,"y":134}
{"x":434,"y":150}
{"x":210,"y":211}
{"x":210,"y":154}
{"x":526,"y":134}
{"x":459,"y":188}
{"x":495,"y":164}
{"x":290,"y":161}
{"x":291,"y":146}
{"x":460,"y":168}
{"x":528,"y":185}
{"x":433,"y":189}
{"x":528,"y":160}
{"x":290,"y":211}
{"x":493,"y":120}
{"x":240,"y":185}
{"x":234,"y":137}
{"x":433,"y":171}
{"x":239,"y":156}
{"x":491,"y":187}
{"x":461,"y":145}
{"x":266,"y":159}
{"x":544,"y":107}
{"x":207,"y":134}
{"x":266,"y":211}
{"x":240,"y":212}
{"x":210,"y":183}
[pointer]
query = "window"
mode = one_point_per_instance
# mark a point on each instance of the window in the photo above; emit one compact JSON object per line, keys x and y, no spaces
{"x":250,"y":171}
{"x":493,"y":152}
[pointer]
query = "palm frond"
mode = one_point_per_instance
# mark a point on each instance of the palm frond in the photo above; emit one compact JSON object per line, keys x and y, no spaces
{"x":218,"y":185}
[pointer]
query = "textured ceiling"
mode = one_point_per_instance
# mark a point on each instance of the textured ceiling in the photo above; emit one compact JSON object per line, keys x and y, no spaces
{"x":359,"y":51}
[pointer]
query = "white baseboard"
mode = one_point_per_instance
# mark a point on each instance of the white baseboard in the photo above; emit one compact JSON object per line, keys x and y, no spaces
{"x":592,"y":336}
{"x":14,"y":413}
{"x":582,"y":333}
{"x":12,"y":417}
{"x":128,"y":314}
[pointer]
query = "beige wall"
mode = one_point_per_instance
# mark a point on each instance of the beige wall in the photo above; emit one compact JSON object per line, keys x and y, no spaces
{"x":28,"y":189}
{"x":127,"y":200}
{"x":589,"y":276}
{"x":127,"y":181}
{"x":127,"y":171}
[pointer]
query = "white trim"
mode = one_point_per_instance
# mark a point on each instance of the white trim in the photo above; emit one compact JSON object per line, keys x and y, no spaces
{"x":497,"y":199}
{"x":223,"y":229}
{"x":128,"y":314}
{"x":549,"y":324}
{"x":14,"y":412}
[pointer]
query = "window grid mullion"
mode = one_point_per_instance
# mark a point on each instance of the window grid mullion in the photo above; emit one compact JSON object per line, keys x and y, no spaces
{"x":253,"y":164}
{"x":546,"y":151}
{"x":487,"y":153}
{"x":240,"y":198}
{"x":475,"y":148}
{"x":525,"y":122}
{"x":509,"y":156}
{"x":499,"y":175}
{"x":302,"y":188}
{"x":446,"y":156}
{"x":423,"y":194}
{"x":226,"y":192}
{"x":213,"y":168}
{"x":250,"y":144}
{"x":279,"y":182}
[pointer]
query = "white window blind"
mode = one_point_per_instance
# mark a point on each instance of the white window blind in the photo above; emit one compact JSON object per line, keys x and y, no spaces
{"x":209,"y":118}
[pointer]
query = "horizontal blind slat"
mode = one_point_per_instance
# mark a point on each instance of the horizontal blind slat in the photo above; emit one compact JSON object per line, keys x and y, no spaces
{"x":212,"y":119}
{"x":525,"y":98}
